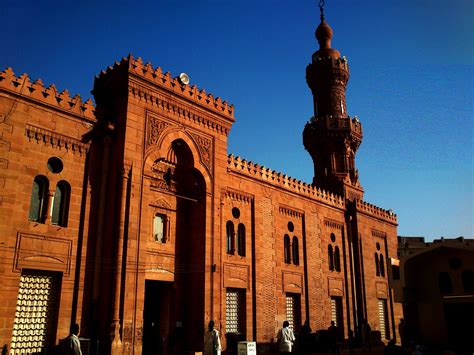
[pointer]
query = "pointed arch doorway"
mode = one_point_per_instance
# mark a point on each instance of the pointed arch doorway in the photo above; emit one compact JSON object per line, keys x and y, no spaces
{"x":174,"y":311}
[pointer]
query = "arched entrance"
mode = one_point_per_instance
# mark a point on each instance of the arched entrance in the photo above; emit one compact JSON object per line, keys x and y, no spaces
{"x":178,"y":306}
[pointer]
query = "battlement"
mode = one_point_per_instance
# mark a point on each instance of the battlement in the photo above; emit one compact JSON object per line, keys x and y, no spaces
{"x":284,"y":181}
{"x":172,"y":84}
{"x":376,"y":211}
{"x":50,"y":96}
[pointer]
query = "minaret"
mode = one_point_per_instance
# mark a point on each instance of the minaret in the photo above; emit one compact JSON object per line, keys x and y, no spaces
{"x":331,"y":137}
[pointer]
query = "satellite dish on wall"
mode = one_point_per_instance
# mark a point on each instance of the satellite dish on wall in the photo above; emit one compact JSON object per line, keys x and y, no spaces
{"x":184,"y":78}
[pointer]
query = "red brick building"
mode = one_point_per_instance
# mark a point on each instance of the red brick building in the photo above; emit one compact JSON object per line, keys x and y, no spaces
{"x":131,"y":218}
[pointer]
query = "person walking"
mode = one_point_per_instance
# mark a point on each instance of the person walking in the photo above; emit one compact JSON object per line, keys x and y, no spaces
{"x":286,"y":338}
{"x":71,"y":345}
{"x":212,"y":343}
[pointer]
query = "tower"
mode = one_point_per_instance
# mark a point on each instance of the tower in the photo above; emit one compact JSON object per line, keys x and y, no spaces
{"x":331,"y":137}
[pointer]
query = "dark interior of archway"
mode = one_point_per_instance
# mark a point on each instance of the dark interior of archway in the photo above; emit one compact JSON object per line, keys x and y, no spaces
{"x":190,"y":251}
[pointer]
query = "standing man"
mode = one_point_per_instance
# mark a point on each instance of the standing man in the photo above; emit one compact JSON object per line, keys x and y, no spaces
{"x":71,"y":345}
{"x":285,"y":338}
{"x":212,"y":343}
{"x":333,"y":335}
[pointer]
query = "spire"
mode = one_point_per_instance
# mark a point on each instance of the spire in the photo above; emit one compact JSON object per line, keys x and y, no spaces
{"x":321,"y":9}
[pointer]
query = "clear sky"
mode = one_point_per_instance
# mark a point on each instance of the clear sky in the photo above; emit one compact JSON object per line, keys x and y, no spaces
{"x":411,"y":84}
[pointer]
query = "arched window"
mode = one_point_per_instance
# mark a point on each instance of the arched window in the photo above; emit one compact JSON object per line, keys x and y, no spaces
{"x":39,"y":199}
{"x":287,"y":249}
{"x":230,"y":237}
{"x":337,"y":260}
{"x":382,"y":266}
{"x":159,"y":228}
{"x":296,"y":254}
{"x":445,"y":285}
{"x":468,"y":280}
{"x":377,"y":265}
{"x":330,"y":257}
{"x":60,"y":209}
{"x":241,"y":239}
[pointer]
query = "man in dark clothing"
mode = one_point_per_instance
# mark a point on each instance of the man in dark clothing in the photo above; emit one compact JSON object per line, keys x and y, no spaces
{"x":333,"y":334}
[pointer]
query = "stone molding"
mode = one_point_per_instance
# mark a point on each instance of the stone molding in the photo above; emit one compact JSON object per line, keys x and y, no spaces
{"x":56,"y":140}
{"x":176,"y":108}
{"x":292,"y":282}
{"x":379,"y":234}
{"x":236,"y":195}
{"x":161,"y":203}
{"x":335,"y":286}
{"x":42,"y":252}
{"x":235,"y":275}
{"x":290,"y":211}
{"x":48,"y":96}
{"x":333,"y":224}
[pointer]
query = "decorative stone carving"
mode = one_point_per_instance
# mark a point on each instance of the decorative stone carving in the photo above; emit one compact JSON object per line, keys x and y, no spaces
{"x":161,"y":203}
{"x":155,"y":127}
{"x":205,"y":148}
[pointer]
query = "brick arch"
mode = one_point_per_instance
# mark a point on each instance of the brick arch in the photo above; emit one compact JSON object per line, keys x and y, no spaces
{"x":163,"y":145}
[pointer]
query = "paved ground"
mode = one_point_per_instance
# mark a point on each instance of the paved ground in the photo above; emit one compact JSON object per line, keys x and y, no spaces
{"x":375,"y":350}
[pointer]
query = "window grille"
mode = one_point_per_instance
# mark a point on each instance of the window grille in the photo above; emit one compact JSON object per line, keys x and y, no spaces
{"x":34,"y":327}
{"x":336,"y":313}
{"x":383,"y":319}
{"x":290,"y":311}
{"x":235,"y":311}
{"x":293,"y":310}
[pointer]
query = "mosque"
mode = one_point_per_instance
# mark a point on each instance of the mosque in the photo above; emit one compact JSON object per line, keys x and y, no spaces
{"x":130,"y":217}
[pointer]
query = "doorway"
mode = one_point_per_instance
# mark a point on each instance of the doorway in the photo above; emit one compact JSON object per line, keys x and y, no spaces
{"x":156,"y":317}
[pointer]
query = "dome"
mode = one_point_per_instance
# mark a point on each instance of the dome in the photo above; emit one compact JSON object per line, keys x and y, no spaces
{"x":324,"y":35}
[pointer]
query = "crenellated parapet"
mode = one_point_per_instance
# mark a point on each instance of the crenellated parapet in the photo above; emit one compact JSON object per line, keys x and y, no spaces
{"x":48,"y":96}
{"x":375,"y":211}
{"x":283,"y":181}
{"x":171,"y":84}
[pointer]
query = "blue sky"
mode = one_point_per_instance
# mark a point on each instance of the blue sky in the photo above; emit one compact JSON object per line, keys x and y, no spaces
{"x":411,"y":84}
